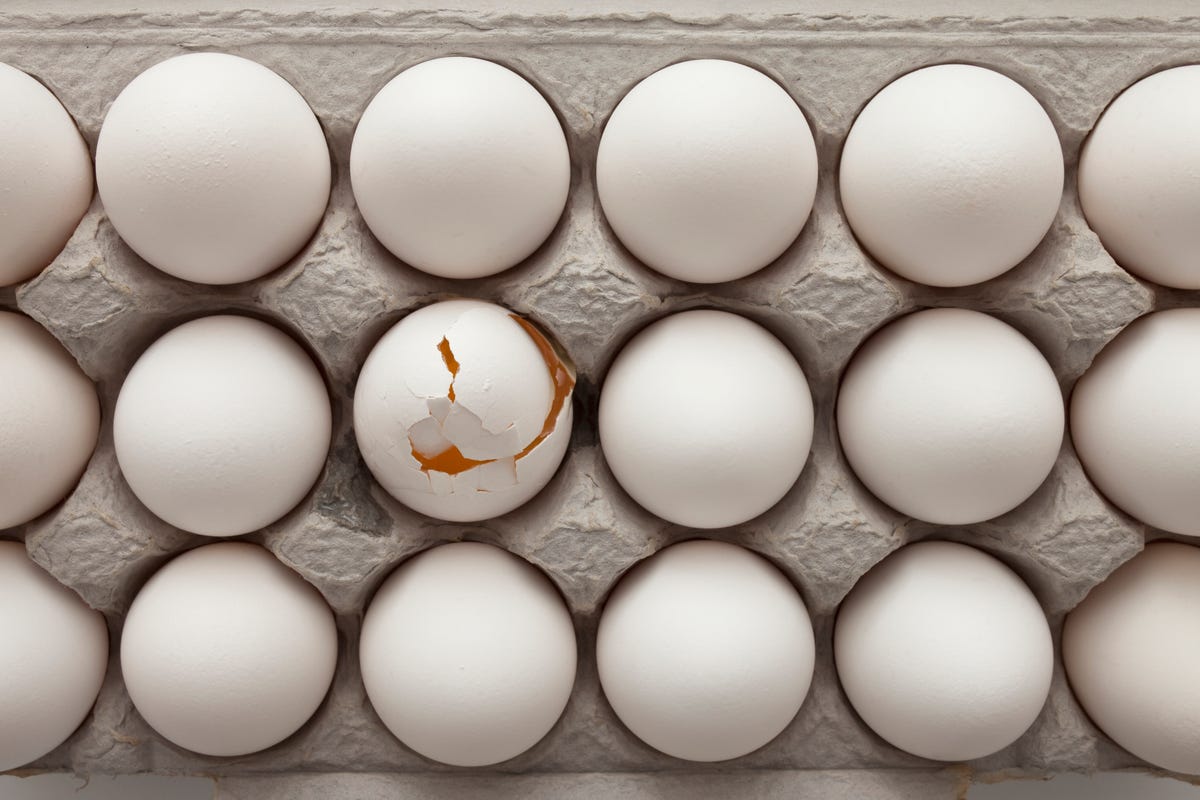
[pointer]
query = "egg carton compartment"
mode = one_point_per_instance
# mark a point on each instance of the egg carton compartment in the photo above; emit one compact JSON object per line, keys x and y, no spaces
{"x":822,"y":298}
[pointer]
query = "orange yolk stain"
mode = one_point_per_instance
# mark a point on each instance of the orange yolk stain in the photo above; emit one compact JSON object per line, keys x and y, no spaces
{"x":451,"y":461}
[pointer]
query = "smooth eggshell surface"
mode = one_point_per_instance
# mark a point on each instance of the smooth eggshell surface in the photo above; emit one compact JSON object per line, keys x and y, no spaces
{"x":1132,"y":651}
{"x":226,"y":651}
{"x":49,"y":420}
{"x":951,"y":175}
{"x":707,"y":170}
{"x":222,"y":426}
{"x":460,"y":167}
{"x":468,"y":654}
{"x":705,"y":651}
{"x":950,"y":416}
{"x":706,"y":419}
{"x":45,"y":176}
{"x":944,"y":652}
{"x":490,"y":407}
{"x":1139,"y":178}
{"x":1135,"y":420}
{"x":53,"y":659}
{"x":212,"y":168}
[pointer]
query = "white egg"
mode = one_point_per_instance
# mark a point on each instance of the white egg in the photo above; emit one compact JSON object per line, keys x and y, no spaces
{"x":705,"y":651}
{"x":463,"y":410}
{"x":707,"y":170}
{"x":1132,"y":651}
{"x":950,"y":416}
{"x":944,"y":652}
{"x":705,"y":419}
{"x":951,"y":175}
{"x":1139,"y":178}
{"x":212,"y":168}
{"x":49,"y":420}
{"x":45,"y":176}
{"x":468,"y":654}
{"x":222,"y":426}
{"x":1135,"y":420}
{"x":54,"y":657}
{"x":460,"y":167}
{"x":226,"y":651}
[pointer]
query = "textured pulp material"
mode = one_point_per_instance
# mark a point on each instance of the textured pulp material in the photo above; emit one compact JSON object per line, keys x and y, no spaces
{"x":822,"y":298}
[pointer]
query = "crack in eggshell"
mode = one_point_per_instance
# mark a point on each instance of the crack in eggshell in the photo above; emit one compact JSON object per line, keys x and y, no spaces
{"x":437,"y":441}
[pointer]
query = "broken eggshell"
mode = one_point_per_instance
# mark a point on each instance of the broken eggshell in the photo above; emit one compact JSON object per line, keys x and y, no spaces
{"x":462,"y":410}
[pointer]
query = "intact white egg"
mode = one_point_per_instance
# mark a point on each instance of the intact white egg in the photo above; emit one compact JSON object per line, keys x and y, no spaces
{"x":950,"y":416}
{"x":468,"y":654}
{"x":45,"y":176}
{"x":944,"y":652}
{"x":1139,"y":178}
{"x":212,"y":168}
{"x":462,"y":410}
{"x":49,"y":420}
{"x":1135,"y":420}
{"x":705,"y":651}
{"x":707,"y":170}
{"x":460,"y":167}
{"x":951,"y":175}
{"x":1132,"y":651}
{"x":705,"y":419}
{"x":222,"y":426}
{"x":226,"y":651}
{"x":53,"y":660}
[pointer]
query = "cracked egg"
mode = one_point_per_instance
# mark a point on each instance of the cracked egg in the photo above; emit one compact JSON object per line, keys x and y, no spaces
{"x":462,"y":410}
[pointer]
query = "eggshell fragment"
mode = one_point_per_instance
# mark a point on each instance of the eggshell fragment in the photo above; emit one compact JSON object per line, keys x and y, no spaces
{"x":1132,"y":650}
{"x":706,"y":419}
{"x":1139,"y":178}
{"x":705,"y":651}
{"x":212,"y":168}
{"x":49,"y":420}
{"x":707,"y":170}
{"x":460,"y":167}
{"x":1135,"y":420}
{"x":950,"y":416}
{"x":944,"y":652}
{"x":951,"y":175}
{"x":468,"y":654}
{"x":53,"y":659}
{"x":462,"y":410}
{"x":226,"y":652}
{"x":223,"y":425}
{"x":45,"y":176}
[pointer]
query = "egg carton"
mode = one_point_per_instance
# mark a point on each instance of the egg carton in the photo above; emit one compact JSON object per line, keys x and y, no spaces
{"x":822,"y":298}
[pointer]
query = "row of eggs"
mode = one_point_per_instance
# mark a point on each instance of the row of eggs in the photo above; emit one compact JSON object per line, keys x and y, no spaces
{"x":705,"y":652}
{"x":214,"y":169}
{"x":463,"y":411}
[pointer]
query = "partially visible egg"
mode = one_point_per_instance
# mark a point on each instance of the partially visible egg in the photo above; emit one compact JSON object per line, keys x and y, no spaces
{"x":468,"y":654}
{"x":226,"y":651}
{"x":45,"y":176}
{"x":212,"y":168}
{"x":950,"y":416}
{"x":1139,"y":178}
{"x":944,"y":652}
{"x":462,"y":410}
{"x":706,"y":419}
{"x":1135,"y":420}
{"x":49,"y":420}
{"x":53,"y":659}
{"x":223,"y":425}
{"x":705,"y":651}
{"x":460,"y":167}
{"x":951,"y":175}
{"x":1132,"y":652}
{"x":707,"y":170}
